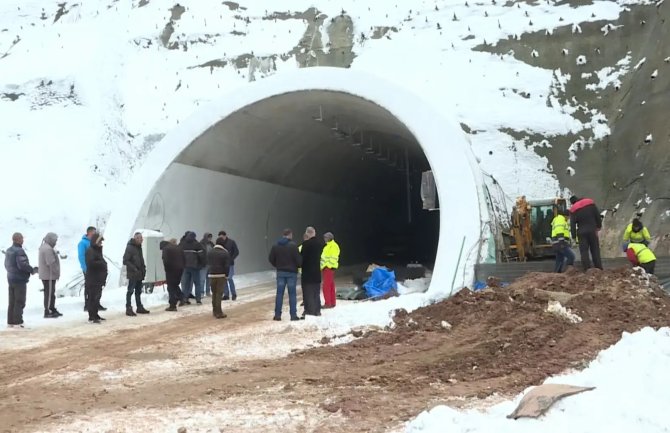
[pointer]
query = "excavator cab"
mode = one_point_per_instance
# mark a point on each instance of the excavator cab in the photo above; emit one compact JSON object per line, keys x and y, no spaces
{"x":531,"y":228}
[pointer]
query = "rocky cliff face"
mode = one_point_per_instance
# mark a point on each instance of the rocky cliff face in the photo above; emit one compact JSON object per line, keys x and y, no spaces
{"x":621,"y":70}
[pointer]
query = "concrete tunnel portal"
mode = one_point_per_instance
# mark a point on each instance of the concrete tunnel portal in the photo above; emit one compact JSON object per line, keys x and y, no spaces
{"x":299,"y":154}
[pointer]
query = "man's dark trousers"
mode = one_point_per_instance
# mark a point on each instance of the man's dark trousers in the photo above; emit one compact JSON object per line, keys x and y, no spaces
{"x":311,"y":294}
{"x":589,"y":242}
{"x":17,"y":302}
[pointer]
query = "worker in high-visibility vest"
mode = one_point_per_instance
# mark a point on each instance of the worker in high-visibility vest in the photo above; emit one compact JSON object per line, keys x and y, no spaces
{"x":642,"y":256}
{"x":560,"y":240}
{"x":330,"y":261}
{"x":636,"y":233}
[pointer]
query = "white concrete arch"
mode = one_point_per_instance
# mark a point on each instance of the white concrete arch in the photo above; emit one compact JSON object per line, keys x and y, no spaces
{"x":444,"y":144}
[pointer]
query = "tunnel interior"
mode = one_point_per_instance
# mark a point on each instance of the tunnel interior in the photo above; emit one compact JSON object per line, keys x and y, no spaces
{"x":328,"y":159}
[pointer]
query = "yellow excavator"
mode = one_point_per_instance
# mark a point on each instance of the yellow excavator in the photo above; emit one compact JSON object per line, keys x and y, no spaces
{"x":529,"y":236}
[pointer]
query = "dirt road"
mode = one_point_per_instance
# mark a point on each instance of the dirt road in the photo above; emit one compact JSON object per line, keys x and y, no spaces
{"x":190,"y":371}
{"x":245,"y":374}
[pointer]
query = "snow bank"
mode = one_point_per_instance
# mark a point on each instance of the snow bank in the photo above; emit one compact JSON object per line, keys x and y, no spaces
{"x":366,"y":313}
{"x":631,"y":380}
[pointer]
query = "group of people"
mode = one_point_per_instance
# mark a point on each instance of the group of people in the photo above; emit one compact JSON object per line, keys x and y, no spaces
{"x":207,"y":265}
{"x":314,"y":260}
{"x":583,"y":222}
{"x":187,"y":263}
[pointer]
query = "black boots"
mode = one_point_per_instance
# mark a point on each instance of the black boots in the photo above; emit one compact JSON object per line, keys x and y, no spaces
{"x":50,"y":314}
{"x":171,"y":308}
{"x":142,"y":310}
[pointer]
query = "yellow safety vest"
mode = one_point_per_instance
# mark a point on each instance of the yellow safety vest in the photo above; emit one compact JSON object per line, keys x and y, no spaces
{"x":560,"y":227}
{"x":642,"y":252}
{"x":630,"y":236}
{"x":330,"y":256}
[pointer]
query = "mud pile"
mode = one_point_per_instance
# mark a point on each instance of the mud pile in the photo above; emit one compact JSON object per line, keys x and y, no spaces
{"x":505,"y":339}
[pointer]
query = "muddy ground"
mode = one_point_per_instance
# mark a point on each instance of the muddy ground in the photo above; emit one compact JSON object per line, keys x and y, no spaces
{"x":244,"y":374}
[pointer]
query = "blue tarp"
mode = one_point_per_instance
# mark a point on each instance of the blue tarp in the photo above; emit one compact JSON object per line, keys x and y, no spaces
{"x":481,"y":285}
{"x":380,"y":283}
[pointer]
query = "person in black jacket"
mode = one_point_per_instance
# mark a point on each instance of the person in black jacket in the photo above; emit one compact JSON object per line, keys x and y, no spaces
{"x":173,"y":262}
{"x":207,"y":244}
{"x":18,"y":273}
{"x":585,"y":223}
{"x":95,"y":277}
{"x":194,"y":262}
{"x":135,"y":271}
{"x":230,"y":245}
{"x":285,"y":257}
{"x":310,"y":252}
{"x":218,"y":264}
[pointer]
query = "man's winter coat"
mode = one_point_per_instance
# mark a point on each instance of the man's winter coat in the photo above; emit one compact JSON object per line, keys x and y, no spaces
{"x":284,"y":256}
{"x":134,"y":261}
{"x":218,"y":261}
{"x":173,"y":262}
{"x":584,"y":217}
{"x":96,"y":265}
{"x":330,"y":256}
{"x":48,"y":261}
{"x":311,"y":260}
{"x":641,"y":236}
{"x":83,"y":245}
{"x":231,"y":246}
{"x":17,"y":265}
{"x":194,"y":253}
{"x":639,"y":254}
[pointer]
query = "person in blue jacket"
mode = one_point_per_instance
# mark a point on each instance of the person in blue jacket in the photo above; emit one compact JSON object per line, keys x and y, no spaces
{"x":83,"y":245}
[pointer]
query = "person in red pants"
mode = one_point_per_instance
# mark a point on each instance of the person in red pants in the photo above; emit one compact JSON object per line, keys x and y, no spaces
{"x":330,"y":258}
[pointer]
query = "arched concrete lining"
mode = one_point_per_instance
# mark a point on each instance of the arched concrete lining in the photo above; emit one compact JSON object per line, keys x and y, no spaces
{"x":441,"y":138}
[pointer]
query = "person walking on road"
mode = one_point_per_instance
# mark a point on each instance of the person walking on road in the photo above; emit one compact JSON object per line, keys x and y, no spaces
{"x":218,"y":263}
{"x":285,"y":258}
{"x":96,"y":277}
{"x":194,"y":262}
{"x":18,"y":273}
{"x":641,"y":255}
{"x":207,"y":244}
{"x":330,"y":261}
{"x":48,"y":263}
{"x":83,"y":245}
{"x":310,"y":252}
{"x":231,"y":246}
{"x":560,"y":239}
{"x":173,"y":262}
{"x":135,"y":271}
{"x":585,"y":223}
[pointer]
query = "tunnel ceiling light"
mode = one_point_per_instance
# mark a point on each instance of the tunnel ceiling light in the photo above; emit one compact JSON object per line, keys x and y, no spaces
{"x":369,"y":149}
{"x":357,"y":142}
{"x":319,"y":118}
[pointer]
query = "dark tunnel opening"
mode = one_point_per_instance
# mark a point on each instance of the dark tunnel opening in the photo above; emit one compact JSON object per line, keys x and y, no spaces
{"x":328,"y":159}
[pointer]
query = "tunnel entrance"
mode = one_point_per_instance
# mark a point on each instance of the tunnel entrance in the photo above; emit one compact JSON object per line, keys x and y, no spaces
{"x":327,"y":159}
{"x":327,"y":147}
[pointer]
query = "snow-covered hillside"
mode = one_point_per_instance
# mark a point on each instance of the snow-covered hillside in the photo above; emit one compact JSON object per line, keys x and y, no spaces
{"x":88,"y":89}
